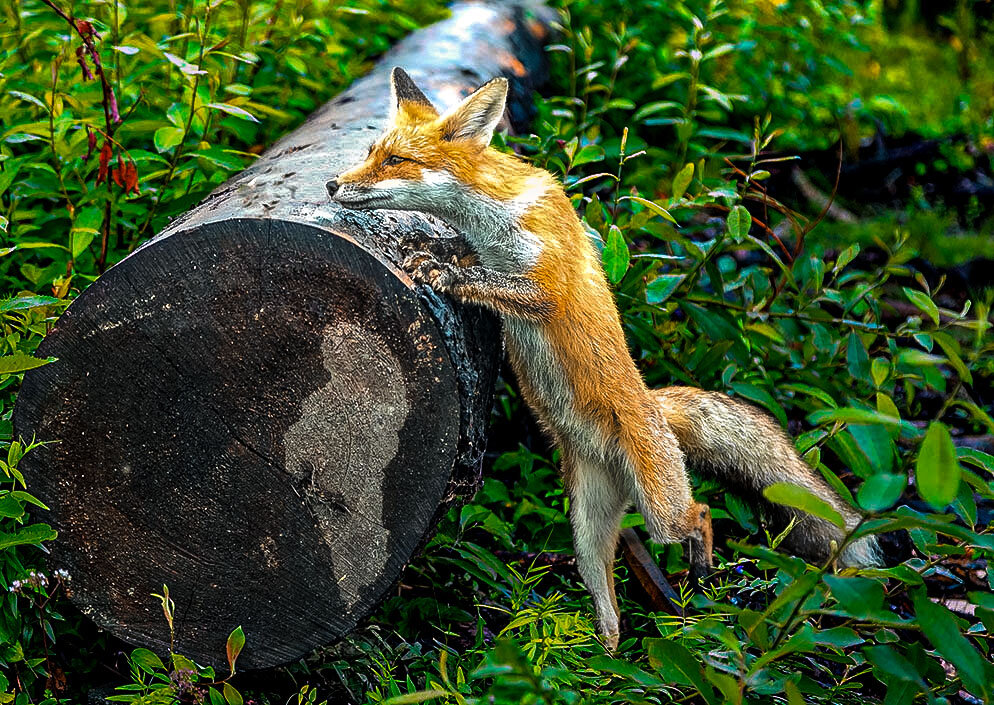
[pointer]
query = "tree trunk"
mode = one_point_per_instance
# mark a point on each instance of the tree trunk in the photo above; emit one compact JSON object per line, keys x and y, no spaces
{"x":258,"y":408}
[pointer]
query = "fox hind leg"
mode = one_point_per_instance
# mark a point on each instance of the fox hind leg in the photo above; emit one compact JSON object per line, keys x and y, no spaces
{"x":597,"y":506}
{"x":665,"y":499}
{"x":699,"y":544}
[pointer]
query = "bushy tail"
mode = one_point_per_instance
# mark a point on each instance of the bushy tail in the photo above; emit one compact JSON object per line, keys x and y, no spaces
{"x":747,"y":450}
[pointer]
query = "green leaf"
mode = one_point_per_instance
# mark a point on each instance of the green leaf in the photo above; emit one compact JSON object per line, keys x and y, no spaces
{"x":184,"y":65}
{"x":165,"y":138}
{"x":887,"y":407}
{"x":739,"y":221}
{"x":625,"y":670}
{"x":657,"y":107}
{"x":924,"y":303}
{"x":234,"y":110}
{"x":662,"y":287}
{"x":937,"y":470}
{"x":879,"y":370}
{"x":594,"y":215}
{"x":29,"y":98}
{"x":881,"y":491}
{"x":226,"y":159}
{"x":22,"y":303}
{"x":839,"y":637}
{"x":804,"y":499}
{"x":236,"y":640}
{"x":678,"y":665}
{"x":419,"y":697}
{"x":852,"y":415}
{"x":941,"y":628}
{"x":589,"y":153}
{"x":19,"y":362}
{"x":980,"y":459}
{"x":876,"y":444}
{"x":845,"y":257}
{"x":858,"y":597}
{"x":762,"y":397}
{"x":801,"y":641}
{"x":653,"y":206}
{"x":215,"y":697}
{"x":682,"y":180}
{"x":10,"y":507}
{"x":232,"y":696}
{"x":147,"y":660}
{"x":819,"y":394}
{"x":724,"y":133}
{"x":951,"y":348}
{"x":615,"y":255}
{"x":29,"y":535}
{"x":859,"y":360}
{"x":890,"y":662}
{"x":81,"y":239}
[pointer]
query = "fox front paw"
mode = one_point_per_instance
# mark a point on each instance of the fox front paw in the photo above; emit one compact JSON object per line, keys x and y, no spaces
{"x":411,"y":244}
{"x":425,"y":269}
{"x":444,"y":249}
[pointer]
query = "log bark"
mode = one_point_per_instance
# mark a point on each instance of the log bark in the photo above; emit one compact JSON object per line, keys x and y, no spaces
{"x":258,"y":407}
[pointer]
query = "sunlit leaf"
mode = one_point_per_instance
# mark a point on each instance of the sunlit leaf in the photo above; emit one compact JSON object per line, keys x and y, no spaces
{"x":937,"y":470}
{"x":739,"y":221}
{"x":615,"y":255}
{"x":804,"y":499}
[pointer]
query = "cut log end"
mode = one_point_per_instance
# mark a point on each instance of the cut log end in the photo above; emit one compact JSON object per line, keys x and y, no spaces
{"x":292,"y":527}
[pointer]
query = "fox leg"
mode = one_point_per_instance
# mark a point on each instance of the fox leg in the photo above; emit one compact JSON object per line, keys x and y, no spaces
{"x":511,"y":294}
{"x":597,"y":504}
{"x":663,"y":495}
{"x":444,"y":249}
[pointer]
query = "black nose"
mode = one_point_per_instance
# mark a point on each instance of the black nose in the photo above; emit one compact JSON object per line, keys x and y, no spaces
{"x":332,"y":187}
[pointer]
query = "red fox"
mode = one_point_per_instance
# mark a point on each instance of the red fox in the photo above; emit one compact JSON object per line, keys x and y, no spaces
{"x":621,"y":443}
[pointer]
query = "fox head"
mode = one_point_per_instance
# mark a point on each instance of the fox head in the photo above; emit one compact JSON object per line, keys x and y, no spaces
{"x":425,"y":160}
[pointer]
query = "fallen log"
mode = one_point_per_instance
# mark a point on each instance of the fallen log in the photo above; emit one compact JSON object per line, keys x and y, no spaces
{"x":258,"y":408}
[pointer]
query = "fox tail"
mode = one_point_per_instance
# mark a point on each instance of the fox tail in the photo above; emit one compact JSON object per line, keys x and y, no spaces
{"x":748,"y":451}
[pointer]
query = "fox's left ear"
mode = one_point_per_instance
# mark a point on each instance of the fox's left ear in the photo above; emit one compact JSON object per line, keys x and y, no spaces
{"x":476,"y":117}
{"x":404,"y":95}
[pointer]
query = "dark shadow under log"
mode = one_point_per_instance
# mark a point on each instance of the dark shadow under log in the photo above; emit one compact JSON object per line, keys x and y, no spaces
{"x":258,"y":408}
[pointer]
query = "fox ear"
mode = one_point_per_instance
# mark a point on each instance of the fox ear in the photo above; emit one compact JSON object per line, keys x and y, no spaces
{"x":476,"y":117}
{"x":404,"y":94}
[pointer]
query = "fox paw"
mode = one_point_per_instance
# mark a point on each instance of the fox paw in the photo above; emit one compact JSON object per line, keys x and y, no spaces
{"x":425,"y":269}
{"x":411,"y":244}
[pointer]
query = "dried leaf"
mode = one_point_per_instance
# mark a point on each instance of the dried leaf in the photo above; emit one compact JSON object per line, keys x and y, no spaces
{"x":91,"y":143}
{"x":131,"y":178}
{"x":112,"y":105}
{"x":86,"y":29}
{"x":106,"y":152}
{"x":81,"y":59}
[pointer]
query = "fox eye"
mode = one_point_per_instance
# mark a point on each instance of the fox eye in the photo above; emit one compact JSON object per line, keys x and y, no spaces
{"x":392,"y":160}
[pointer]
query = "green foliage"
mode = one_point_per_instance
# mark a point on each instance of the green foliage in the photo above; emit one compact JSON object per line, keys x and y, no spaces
{"x":155,"y":683}
{"x":120,"y":116}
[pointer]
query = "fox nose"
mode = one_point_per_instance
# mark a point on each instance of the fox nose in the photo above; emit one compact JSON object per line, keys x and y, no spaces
{"x":332,"y":187}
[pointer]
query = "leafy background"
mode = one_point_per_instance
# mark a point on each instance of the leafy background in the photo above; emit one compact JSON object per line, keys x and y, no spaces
{"x":701,"y":141}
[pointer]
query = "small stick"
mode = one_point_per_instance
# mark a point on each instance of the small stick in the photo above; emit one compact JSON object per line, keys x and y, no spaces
{"x":662,"y":597}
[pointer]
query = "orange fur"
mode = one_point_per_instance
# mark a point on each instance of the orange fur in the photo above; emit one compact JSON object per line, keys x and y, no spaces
{"x":621,"y":442}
